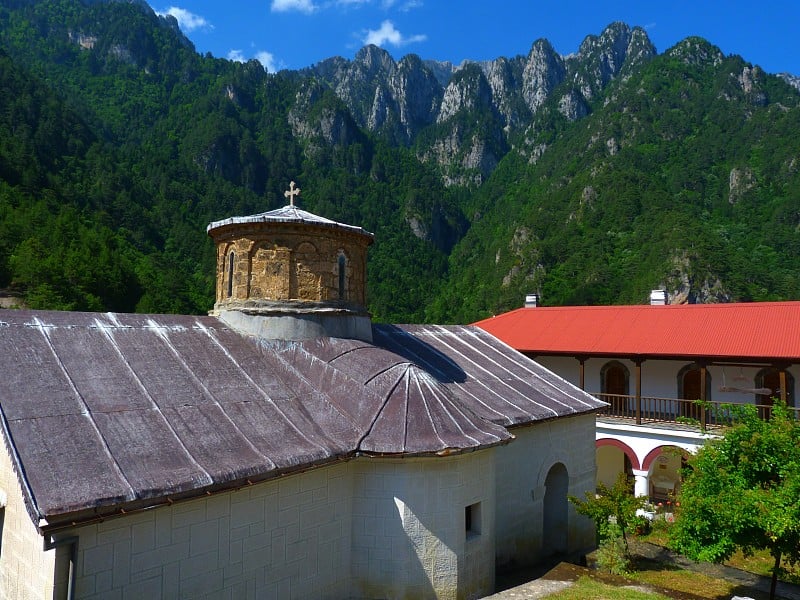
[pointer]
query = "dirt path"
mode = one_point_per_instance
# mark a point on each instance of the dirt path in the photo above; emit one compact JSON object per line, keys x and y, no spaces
{"x":541,"y":584}
{"x":787,"y":591}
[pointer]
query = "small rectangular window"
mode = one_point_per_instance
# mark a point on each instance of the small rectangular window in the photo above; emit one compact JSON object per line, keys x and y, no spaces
{"x":472,"y":520}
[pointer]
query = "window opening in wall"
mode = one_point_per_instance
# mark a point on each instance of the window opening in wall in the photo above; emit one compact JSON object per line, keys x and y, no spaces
{"x":230,"y":275}
{"x":342,"y":265}
{"x":2,"y":525}
{"x":472,"y":520}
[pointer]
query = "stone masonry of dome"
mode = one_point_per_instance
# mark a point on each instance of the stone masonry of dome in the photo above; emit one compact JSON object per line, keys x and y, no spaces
{"x":279,"y":262}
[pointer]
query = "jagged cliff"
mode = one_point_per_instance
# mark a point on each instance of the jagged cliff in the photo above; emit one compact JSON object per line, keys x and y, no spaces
{"x":589,"y":177}
{"x":402,"y":100}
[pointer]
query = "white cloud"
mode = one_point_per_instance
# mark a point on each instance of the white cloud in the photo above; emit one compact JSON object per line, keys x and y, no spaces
{"x":304,"y":6}
{"x":187,"y":21}
{"x":404,"y":7}
{"x":407,"y":6}
{"x":267,"y":60}
{"x":388,"y":34}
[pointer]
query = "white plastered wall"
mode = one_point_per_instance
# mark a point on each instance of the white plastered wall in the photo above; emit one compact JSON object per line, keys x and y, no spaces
{"x":660,"y":377}
{"x":362,"y":529}
{"x":610,"y":463}
{"x":398,"y":504}
{"x":26,"y":569}
{"x":285,"y":538}
{"x":522,"y":467}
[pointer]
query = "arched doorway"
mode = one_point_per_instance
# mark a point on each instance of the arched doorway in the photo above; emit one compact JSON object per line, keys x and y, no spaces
{"x":612,"y":458}
{"x":771,"y":378}
{"x":664,"y":466}
{"x":555,"y":526}
{"x":615,"y":384}
{"x":690,"y":387}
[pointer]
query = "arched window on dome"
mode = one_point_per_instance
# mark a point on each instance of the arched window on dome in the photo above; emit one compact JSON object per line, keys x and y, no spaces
{"x":231,"y":259}
{"x":342,"y":263}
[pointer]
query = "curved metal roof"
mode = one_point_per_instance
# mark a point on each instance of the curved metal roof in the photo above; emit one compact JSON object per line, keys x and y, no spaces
{"x":289,"y":214}
{"x":109,"y":411}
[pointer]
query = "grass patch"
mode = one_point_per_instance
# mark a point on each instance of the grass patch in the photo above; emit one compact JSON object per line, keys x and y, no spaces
{"x":680,"y":580}
{"x":760,"y":563}
{"x":586,"y":587}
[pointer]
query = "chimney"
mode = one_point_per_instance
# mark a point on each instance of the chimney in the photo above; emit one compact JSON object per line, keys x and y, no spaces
{"x":658,"y":298}
{"x":531,"y":300}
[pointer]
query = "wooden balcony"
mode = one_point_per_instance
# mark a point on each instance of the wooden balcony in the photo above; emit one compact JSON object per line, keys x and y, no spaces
{"x":646,"y":410}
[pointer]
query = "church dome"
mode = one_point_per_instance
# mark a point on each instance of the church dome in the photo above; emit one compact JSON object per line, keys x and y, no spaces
{"x":292,"y":263}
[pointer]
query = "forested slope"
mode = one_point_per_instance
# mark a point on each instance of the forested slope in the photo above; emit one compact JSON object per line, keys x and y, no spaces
{"x":119,"y":143}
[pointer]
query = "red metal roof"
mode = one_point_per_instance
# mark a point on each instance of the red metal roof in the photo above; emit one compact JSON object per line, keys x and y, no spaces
{"x":758,"y":330}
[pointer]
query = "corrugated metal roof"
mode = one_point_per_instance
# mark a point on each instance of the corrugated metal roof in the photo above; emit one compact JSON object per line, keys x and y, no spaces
{"x":758,"y":330}
{"x":288,"y":214}
{"x":105,"y":411}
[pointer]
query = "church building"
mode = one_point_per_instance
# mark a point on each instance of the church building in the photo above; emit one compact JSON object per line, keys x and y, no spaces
{"x":283,"y":446}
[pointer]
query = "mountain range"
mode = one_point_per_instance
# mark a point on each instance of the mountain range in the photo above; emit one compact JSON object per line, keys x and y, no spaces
{"x":588,"y":178}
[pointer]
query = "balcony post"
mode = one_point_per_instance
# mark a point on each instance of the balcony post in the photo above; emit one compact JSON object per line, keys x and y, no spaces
{"x":638,"y":363}
{"x":703,"y":418}
{"x":784,"y":395}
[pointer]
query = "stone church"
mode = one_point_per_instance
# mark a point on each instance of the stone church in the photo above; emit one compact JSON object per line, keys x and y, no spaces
{"x":283,"y":446}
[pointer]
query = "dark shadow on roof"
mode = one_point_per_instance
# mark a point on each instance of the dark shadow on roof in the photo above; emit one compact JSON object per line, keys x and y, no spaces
{"x":399,"y":341}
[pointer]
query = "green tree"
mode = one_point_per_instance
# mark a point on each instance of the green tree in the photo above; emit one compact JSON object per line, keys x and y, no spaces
{"x":743,"y":492}
{"x":613,"y":509}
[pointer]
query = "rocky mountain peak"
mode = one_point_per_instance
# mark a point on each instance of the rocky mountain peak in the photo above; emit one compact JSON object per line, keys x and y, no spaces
{"x":399,"y":99}
{"x":442,"y":70}
{"x":373,"y":61}
{"x":417,"y":93}
{"x":696,"y":51}
{"x":320,"y":120}
{"x":601,"y":58}
{"x":543,"y":71}
{"x":467,"y":90}
{"x":640,"y":48}
{"x":505,"y":80}
{"x":792,"y":80}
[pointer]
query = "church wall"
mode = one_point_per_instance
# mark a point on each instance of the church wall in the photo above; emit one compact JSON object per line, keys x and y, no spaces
{"x":286,"y":538}
{"x":522,"y":468}
{"x":410,"y":537}
{"x":26,"y":569}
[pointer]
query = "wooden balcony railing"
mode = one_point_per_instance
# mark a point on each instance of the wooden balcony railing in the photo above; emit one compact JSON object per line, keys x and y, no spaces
{"x":649,"y":409}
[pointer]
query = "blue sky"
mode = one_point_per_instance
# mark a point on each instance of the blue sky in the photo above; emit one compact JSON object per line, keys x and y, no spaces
{"x":298,"y":33}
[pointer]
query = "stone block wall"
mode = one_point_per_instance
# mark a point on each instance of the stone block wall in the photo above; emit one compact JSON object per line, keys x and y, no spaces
{"x":288,"y":538}
{"x":291,"y":264}
{"x":409,"y":533}
{"x":522,"y":468}
{"x":370,"y":527}
{"x":26,"y":569}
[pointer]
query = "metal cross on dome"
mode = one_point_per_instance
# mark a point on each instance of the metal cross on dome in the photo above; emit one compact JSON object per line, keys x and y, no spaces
{"x":291,"y":193}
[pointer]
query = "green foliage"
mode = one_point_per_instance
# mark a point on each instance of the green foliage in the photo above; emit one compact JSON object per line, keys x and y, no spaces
{"x":115,"y":155}
{"x":116,"y":134}
{"x":612,"y":552}
{"x":613,"y":509}
{"x":743,"y":492}
{"x":638,"y":195}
